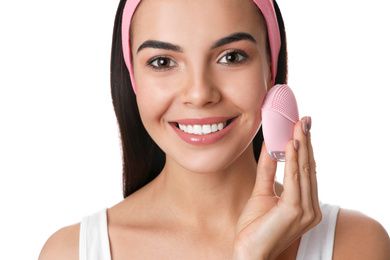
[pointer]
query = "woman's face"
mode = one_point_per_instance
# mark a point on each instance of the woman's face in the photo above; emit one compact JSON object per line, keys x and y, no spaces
{"x":201,"y":66}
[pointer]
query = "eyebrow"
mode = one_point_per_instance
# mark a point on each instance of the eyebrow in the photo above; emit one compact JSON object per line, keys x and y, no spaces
{"x":159,"y":45}
{"x":235,"y":37}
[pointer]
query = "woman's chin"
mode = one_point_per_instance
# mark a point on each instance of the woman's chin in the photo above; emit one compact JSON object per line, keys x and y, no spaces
{"x":209,"y":163}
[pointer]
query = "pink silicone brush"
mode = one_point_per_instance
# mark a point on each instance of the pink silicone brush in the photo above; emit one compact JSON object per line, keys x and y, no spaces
{"x":279,"y":114}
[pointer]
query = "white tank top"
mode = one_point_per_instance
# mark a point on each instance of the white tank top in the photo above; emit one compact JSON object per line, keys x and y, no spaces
{"x":316,"y":244}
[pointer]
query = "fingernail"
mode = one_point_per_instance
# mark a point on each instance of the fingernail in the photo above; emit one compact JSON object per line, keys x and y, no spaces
{"x":308,"y":123}
{"x":296,"y":144}
{"x":304,"y":126}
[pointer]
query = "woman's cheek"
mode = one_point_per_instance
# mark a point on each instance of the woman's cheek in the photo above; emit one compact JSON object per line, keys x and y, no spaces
{"x":153,"y":95}
{"x":248,"y":94}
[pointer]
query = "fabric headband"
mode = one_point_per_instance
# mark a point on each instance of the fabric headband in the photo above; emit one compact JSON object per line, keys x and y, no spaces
{"x":265,"y":6}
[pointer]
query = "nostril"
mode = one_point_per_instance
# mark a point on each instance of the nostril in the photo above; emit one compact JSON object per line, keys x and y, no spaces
{"x":200,"y":95}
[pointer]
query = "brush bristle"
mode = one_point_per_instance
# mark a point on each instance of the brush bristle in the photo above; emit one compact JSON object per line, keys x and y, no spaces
{"x":282,"y":100}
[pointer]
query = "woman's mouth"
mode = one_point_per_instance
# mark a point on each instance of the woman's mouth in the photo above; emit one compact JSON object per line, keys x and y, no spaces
{"x":203,"y":129}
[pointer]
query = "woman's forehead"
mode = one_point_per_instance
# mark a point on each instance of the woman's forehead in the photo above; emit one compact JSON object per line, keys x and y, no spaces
{"x":176,"y":20}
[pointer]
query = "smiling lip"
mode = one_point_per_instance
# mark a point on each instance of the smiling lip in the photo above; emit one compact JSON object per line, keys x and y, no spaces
{"x":200,"y":138}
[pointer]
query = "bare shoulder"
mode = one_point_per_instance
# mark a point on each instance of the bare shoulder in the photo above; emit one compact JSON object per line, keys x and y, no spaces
{"x":360,"y":237}
{"x":63,"y":244}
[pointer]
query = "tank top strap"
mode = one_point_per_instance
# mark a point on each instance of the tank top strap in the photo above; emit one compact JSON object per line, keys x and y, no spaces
{"x":317,"y":243}
{"x":94,"y":243}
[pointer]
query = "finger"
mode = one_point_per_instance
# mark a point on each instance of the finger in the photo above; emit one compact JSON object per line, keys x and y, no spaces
{"x":313,"y":175}
{"x":291,"y":189}
{"x":300,"y":131}
{"x":265,"y":178}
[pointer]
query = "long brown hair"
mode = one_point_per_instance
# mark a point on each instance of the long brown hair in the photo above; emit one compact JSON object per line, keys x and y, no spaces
{"x":142,"y":159}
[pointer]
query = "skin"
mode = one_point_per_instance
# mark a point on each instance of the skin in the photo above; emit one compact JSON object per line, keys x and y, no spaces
{"x":214,"y":201}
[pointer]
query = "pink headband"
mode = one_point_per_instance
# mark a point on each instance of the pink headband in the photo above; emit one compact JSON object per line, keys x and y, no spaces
{"x":265,"y":6}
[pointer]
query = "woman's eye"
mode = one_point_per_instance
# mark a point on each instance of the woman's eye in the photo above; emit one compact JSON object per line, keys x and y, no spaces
{"x":161,"y":63}
{"x":234,"y":57}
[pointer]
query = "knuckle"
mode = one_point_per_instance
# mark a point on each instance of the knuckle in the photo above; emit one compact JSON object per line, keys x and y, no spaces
{"x":318,"y":218}
{"x":296,"y":211}
{"x":295,"y":174}
{"x":306,"y":168}
{"x":309,"y":217}
{"x":315,"y":218}
{"x":313,"y":166}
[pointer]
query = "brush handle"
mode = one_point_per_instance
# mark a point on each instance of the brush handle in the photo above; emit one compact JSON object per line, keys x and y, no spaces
{"x":277,"y":131}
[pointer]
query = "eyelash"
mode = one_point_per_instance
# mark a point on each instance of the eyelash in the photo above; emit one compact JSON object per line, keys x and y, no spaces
{"x":152,"y":60}
{"x":242,"y":59}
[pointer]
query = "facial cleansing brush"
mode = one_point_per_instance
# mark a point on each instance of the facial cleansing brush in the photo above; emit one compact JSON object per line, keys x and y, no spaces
{"x":279,"y":115}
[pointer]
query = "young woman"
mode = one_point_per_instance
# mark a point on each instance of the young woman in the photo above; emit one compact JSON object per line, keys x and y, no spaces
{"x":188,"y":81}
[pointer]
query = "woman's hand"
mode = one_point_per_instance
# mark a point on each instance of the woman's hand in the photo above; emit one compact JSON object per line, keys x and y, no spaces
{"x":269,"y":224}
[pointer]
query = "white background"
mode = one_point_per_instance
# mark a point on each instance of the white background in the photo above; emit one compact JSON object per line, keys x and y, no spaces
{"x":59,"y":147}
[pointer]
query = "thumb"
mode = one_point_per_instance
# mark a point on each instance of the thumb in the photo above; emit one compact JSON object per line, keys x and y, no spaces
{"x":265,"y":178}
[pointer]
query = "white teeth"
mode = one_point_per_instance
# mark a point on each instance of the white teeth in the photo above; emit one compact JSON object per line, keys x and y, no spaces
{"x":206,"y":129}
{"x":197,"y":129}
{"x":190,"y":129}
{"x":202,"y":129}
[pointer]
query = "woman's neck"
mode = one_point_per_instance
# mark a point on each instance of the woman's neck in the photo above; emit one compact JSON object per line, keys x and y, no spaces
{"x":205,"y":200}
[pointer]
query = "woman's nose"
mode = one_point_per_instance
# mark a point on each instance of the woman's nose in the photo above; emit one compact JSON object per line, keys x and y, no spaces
{"x":200,"y":89}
